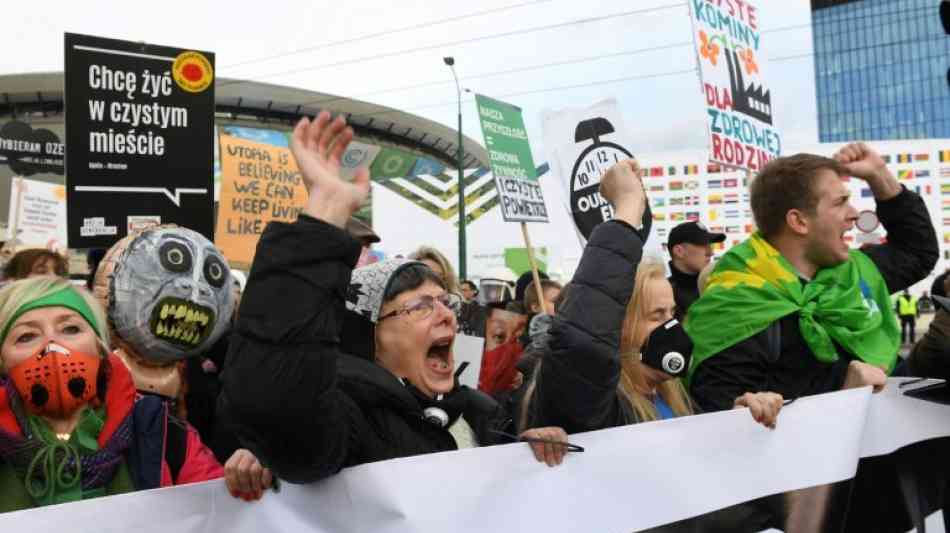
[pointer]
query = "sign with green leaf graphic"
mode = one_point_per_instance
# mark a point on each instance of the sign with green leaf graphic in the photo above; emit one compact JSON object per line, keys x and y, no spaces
{"x":392,"y":163}
{"x":516,"y":259}
{"x":509,"y":153}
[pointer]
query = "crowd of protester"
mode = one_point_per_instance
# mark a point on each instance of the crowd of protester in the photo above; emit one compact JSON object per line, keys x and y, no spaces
{"x":332,"y":359}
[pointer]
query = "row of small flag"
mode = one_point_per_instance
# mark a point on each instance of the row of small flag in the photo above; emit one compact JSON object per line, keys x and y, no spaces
{"x":689,"y":185}
{"x":911,"y":174}
{"x":673,"y":170}
{"x":695,"y":199}
{"x":943,"y":156}
{"x":712,"y":168}
{"x":713,"y":215}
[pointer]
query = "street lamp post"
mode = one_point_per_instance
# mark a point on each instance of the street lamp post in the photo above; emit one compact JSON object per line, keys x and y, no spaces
{"x":450,"y":61}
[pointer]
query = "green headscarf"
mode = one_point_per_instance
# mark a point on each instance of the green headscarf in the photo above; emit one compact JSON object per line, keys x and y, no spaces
{"x":67,"y":297}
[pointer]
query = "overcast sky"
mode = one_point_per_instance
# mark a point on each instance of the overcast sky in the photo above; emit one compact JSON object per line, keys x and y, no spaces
{"x":535,"y":54}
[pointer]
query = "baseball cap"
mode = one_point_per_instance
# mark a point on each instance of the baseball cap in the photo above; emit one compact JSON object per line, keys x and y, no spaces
{"x":361,"y":231}
{"x":693,"y":233}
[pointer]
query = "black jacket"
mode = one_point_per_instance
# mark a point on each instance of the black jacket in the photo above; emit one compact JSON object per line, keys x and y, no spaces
{"x":303,"y":407}
{"x":685,"y":290}
{"x":576,"y":381}
{"x":778,"y":359}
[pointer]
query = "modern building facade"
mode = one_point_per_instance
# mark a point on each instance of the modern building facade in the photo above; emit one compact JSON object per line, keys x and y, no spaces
{"x":881,"y":70}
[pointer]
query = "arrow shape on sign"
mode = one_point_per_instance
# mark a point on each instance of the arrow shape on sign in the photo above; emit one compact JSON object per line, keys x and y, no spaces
{"x":174,"y":197}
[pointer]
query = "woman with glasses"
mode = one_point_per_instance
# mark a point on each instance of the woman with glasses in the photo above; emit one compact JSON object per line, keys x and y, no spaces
{"x":332,"y":367}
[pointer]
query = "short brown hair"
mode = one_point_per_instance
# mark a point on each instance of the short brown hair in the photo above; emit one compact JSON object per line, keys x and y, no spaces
{"x":21,"y":264}
{"x":531,"y":295}
{"x":787,"y":183}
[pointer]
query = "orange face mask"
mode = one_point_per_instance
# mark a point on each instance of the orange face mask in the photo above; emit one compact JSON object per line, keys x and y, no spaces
{"x":56,"y":381}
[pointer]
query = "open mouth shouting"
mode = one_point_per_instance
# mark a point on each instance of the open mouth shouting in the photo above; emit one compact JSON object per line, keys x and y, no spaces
{"x":181,"y":322}
{"x":439,"y":358}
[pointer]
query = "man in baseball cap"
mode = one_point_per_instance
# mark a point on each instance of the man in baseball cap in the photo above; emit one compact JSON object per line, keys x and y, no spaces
{"x":690,"y":246}
{"x":362,"y":232}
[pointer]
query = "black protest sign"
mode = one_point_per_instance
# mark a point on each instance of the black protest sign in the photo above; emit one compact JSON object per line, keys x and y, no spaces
{"x":139,"y":138}
{"x":29,"y":151}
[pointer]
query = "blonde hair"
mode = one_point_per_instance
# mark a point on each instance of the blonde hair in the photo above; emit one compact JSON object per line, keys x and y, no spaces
{"x":430,"y":253}
{"x":15,"y":294}
{"x":632,"y":378}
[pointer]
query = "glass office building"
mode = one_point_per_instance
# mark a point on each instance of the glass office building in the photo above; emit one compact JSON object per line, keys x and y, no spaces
{"x":880,"y":70}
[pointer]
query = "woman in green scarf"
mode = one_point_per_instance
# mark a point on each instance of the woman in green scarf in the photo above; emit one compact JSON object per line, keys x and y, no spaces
{"x":71,"y":427}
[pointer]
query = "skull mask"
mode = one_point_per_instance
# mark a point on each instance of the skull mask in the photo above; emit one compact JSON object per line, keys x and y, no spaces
{"x":168,"y":293}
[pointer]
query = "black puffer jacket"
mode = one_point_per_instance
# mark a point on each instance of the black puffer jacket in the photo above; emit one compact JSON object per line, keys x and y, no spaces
{"x":576,"y":383}
{"x":303,"y":407}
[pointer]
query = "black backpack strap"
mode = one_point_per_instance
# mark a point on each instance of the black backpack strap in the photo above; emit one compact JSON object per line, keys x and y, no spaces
{"x":176,"y":445}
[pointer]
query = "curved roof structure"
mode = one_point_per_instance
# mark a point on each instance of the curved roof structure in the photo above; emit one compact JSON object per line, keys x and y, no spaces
{"x":240,"y":99}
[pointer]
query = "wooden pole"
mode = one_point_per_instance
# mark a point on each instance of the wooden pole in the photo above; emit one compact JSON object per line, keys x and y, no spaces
{"x":534,"y":269}
{"x":10,"y":248}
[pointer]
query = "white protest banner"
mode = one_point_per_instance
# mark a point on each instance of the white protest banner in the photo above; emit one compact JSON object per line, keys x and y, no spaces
{"x":738,"y":101}
{"x":37,"y":215}
{"x":629,"y":478}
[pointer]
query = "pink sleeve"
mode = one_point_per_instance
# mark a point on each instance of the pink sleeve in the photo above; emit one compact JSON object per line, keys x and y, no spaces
{"x":200,"y":464}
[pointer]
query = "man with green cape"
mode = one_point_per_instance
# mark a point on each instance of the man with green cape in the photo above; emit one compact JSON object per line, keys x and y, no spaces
{"x":793,"y":309}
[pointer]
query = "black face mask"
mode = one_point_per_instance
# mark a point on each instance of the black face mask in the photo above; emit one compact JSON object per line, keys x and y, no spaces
{"x":668,"y":348}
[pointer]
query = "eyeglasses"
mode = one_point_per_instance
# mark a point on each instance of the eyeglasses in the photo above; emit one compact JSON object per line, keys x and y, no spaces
{"x":422,"y":307}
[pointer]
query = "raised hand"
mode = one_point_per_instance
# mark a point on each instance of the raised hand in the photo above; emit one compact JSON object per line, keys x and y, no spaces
{"x":622,"y":187}
{"x":318,"y":146}
{"x":864,"y":163}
